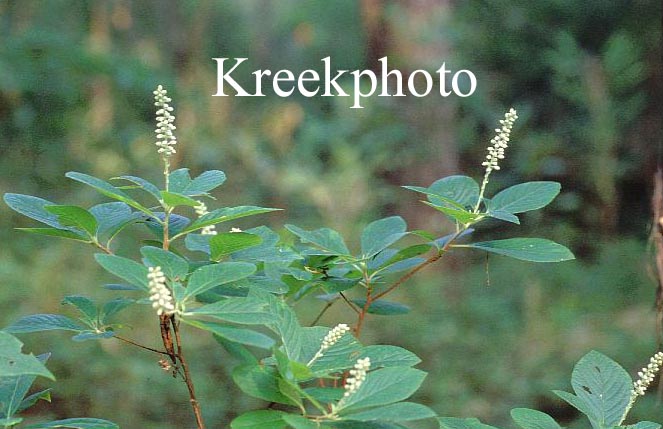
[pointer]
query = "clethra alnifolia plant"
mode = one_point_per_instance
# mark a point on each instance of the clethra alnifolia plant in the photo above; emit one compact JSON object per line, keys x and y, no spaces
{"x":200,"y":270}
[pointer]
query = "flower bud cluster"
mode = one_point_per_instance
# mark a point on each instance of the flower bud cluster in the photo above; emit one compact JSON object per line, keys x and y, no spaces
{"x":647,"y":375}
{"x":201,"y":210}
{"x":500,"y":142}
{"x":166,"y":140}
{"x":160,"y":295}
{"x":357,"y":376}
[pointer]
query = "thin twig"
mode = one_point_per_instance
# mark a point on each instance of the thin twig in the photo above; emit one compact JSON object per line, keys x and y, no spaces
{"x":352,"y":305}
{"x":322,"y":312}
{"x":133,"y":343}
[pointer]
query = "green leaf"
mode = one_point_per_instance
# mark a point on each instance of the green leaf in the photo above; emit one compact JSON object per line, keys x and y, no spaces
{"x":33,"y":207}
{"x":325,"y":239}
{"x":126,"y":269}
{"x":144,"y":184}
{"x":381,"y":234}
{"x":43,"y":322}
{"x":457,"y":423}
{"x":643,"y":425}
{"x":107,"y":189}
{"x":85,"y":306}
{"x":399,"y":412}
{"x":238,"y":351}
{"x":113,"y":217}
{"x":204,"y":183}
{"x":113,"y":307}
{"x":459,"y":215}
{"x":54,"y":232}
{"x":237,"y":335}
{"x":209,"y":276}
{"x":463,"y":190}
{"x":602,"y":388}
{"x":389,"y":356}
{"x":76,"y":423}
{"x":382,"y":307}
{"x":44,"y":395}
{"x":172,"y":265}
{"x":13,"y":363}
{"x":236,"y":310}
{"x":74,"y":216}
{"x":526,"y":249}
{"x":351,"y":424}
{"x":224,"y":214}
{"x":299,"y":422}
{"x":532,"y":419}
{"x":382,"y":387}
{"x":260,"y":382}
{"x":10,"y":422}
{"x":325,"y":395}
{"x":260,"y":419}
{"x":525,"y":197}
{"x":181,"y":182}
{"x":173,"y":199}
{"x":225,"y":243}
{"x":14,"y":389}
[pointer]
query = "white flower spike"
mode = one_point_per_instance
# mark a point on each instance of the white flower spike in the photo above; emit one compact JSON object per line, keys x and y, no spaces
{"x":332,"y":337}
{"x":160,"y":296}
{"x":166,"y":140}
{"x":201,"y":210}
{"x":496,"y":150}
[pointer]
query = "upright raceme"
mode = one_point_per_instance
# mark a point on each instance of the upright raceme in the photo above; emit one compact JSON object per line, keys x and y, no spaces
{"x":166,"y":140}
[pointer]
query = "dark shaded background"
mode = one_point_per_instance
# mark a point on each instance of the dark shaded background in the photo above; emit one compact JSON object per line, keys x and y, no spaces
{"x":75,"y":94}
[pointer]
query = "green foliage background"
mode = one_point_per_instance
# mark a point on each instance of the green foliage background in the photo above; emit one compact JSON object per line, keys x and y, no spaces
{"x":75,"y":94}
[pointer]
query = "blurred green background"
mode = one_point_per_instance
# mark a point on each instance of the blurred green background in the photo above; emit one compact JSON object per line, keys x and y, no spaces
{"x":75,"y":94}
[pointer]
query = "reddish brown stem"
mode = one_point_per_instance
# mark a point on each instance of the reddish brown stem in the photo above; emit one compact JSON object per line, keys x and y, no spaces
{"x":187,"y":377}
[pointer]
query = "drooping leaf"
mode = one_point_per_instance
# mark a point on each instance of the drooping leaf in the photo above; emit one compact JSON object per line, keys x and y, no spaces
{"x":532,"y":419}
{"x":383,"y":308}
{"x":74,"y":216}
{"x":296,"y":421}
{"x":43,"y":322}
{"x":14,"y":363}
{"x":526,"y":197}
{"x":172,"y":265}
{"x":526,"y":249}
{"x":126,"y":269}
{"x":30,"y":400}
{"x":382,"y":387}
{"x":381,"y":234}
{"x":398,"y":412}
{"x":225,"y":243}
{"x":76,"y":423}
{"x":209,"y":276}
